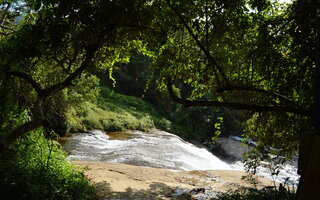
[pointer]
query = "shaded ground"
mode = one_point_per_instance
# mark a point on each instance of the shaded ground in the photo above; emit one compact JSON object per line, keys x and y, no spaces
{"x":121,"y":181}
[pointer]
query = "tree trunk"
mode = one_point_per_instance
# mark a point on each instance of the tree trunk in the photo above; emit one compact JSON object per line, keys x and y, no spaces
{"x":309,"y":166}
{"x":309,"y":152}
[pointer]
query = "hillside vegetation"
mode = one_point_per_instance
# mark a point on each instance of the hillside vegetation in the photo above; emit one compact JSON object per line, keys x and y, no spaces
{"x":115,"y":112}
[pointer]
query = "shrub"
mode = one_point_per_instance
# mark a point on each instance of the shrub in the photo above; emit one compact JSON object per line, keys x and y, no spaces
{"x":36,"y":168}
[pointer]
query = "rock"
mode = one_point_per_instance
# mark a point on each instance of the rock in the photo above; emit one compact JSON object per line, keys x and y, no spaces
{"x":201,"y":193}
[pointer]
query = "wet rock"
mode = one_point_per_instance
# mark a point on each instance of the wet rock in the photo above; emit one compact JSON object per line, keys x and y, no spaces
{"x":201,"y":193}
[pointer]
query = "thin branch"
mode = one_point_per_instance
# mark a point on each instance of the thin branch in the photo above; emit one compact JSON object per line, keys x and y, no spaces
{"x":235,"y":105}
{"x":6,"y":34}
{"x":68,"y":81}
{"x":4,"y":15}
{"x":207,"y":25}
{"x":8,"y":28}
{"x":200,"y":45}
{"x":254,"y":89}
{"x":61,"y":64}
{"x":28,"y":78}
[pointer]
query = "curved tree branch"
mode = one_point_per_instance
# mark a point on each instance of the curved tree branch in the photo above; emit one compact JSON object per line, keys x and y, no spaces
{"x":28,"y":78}
{"x":90,"y":53}
{"x":38,"y":118}
{"x":235,"y":105}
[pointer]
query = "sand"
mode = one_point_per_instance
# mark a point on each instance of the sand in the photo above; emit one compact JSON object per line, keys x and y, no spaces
{"x":121,"y":181}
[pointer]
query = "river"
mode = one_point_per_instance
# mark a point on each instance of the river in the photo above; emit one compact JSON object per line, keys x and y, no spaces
{"x":154,"y":148}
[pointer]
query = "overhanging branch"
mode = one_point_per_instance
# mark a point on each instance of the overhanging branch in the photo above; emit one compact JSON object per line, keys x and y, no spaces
{"x":235,"y":105}
{"x":254,"y":89}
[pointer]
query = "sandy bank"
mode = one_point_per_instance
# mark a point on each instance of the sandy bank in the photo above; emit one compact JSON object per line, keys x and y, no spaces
{"x":121,"y":181}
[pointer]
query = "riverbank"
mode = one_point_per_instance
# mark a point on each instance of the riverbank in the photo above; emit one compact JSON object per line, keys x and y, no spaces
{"x":122,"y":181}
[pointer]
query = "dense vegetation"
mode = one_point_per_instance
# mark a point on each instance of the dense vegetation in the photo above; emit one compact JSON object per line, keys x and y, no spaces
{"x":258,"y":56}
{"x":34,"y":167}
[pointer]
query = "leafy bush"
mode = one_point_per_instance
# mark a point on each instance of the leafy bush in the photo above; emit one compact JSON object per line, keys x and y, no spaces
{"x":35,"y":168}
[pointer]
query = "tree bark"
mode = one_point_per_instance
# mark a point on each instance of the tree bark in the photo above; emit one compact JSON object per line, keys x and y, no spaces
{"x":309,"y":155}
{"x":309,"y":166}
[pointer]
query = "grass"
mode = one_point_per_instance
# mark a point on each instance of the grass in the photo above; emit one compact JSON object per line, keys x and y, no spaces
{"x":112,"y":112}
{"x":116,"y":112}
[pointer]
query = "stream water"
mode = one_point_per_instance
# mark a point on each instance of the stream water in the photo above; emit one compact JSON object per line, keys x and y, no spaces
{"x":153,"y":148}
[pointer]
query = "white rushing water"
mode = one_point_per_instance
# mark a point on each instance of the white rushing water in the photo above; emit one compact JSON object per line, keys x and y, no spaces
{"x":155,"y":149}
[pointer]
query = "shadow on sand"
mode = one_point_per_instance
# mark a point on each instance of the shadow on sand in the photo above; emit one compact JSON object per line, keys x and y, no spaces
{"x":156,"y":191}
